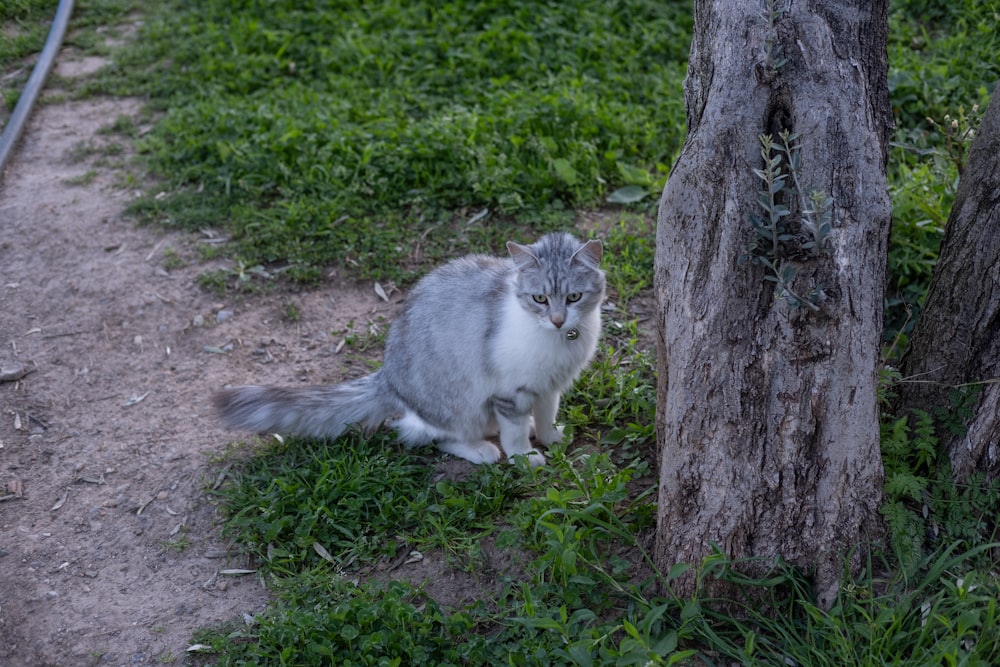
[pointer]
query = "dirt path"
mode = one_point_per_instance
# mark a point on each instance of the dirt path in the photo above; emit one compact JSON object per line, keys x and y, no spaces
{"x":110,"y":551}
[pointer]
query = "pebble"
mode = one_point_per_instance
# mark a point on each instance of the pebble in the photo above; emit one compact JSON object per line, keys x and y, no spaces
{"x":223,"y":315}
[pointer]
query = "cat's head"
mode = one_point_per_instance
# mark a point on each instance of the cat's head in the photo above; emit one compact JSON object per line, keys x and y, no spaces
{"x":559,"y":279}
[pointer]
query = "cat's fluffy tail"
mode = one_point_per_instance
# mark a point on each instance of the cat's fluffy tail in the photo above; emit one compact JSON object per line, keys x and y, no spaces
{"x":315,"y":411}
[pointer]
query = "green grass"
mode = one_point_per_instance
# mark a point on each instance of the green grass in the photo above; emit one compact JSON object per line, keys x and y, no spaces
{"x":25,"y":25}
{"x":943,"y":617}
{"x":340,"y":134}
{"x":360,"y":499}
{"x":586,"y":593}
{"x":943,"y":62}
{"x":565,"y":519}
{"x":24,"y":28}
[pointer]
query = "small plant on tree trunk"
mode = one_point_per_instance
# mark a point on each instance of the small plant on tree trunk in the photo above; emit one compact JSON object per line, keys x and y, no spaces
{"x":780,"y":238}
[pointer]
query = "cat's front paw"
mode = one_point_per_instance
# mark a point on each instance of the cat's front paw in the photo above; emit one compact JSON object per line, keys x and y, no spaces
{"x":474,"y":452}
{"x":535,"y":458}
{"x":550,"y":435}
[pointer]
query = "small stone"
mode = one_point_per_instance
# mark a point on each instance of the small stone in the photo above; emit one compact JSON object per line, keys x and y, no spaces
{"x":198,"y":321}
{"x":223,"y":315}
{"x":12,"y":372}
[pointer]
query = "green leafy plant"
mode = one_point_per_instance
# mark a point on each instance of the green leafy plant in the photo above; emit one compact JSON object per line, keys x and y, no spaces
{"x":924,"y":507}
{"x":629,"y":258}
{"x":941,"y":65}
{"x":358,"y":498}
{"x":773,"y":53}
{"x":936,"y":618}
{"x":791,"y":227}
{"x":341,"y":622}
{"x":909,"y":455}
{"x":926,"y":172}
{"x":615,"y":398}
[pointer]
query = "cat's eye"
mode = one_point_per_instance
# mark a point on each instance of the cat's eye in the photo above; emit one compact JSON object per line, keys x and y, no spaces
{"x":540,"y":298}
{"x":574,"y":297}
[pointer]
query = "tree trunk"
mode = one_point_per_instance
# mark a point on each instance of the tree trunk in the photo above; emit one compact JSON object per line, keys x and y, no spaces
{"x":956,"y":341}
{"x":768,"y":421}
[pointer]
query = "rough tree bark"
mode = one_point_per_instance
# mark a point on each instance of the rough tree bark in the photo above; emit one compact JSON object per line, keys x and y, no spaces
{"x":956,"y":340}
{"x":767,"y":420}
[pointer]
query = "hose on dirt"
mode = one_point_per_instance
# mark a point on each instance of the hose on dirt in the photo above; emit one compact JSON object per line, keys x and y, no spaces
{"x":12,"y":131}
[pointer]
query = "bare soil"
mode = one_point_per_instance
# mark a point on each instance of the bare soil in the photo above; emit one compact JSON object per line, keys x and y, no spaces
{"x":110,"y":545}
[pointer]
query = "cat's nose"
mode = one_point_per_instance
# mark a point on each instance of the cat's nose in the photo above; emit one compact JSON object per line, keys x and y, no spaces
{"x":558,"y":320}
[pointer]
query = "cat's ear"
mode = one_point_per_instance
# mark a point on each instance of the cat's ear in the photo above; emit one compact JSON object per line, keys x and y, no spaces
{"x":522,"y":255}
{"x":590,"y":254}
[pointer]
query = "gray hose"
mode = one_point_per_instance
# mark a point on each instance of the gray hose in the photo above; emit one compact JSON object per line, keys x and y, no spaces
{"x":12,"y":131}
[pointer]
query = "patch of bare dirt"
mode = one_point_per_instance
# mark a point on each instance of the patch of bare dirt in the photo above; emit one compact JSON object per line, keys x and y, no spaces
{"x":110,"y":548}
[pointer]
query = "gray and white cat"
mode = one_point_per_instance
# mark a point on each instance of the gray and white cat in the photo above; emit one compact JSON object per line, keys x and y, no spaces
{"x":483,"y":346}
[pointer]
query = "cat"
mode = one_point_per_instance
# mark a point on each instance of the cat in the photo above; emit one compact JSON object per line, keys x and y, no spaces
{"x":484,"y":346}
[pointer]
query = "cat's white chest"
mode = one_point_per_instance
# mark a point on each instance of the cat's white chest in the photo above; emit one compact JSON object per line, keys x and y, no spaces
{"x":527,"y":354}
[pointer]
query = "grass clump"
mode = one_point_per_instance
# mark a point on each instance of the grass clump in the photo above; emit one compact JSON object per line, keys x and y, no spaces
{"x":925,"y":508}
{"x":24,"y":24}
{"x":942,"y":69}
{"x":338,"y":133}
{"x":587,"y":593}
{"x":939,"y":617}
{"x":571,"y":590}
{"x":359,"y":499}
{"x":24,"y":29}
{"x":330,"y":621}
{"x":630,"y":246}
